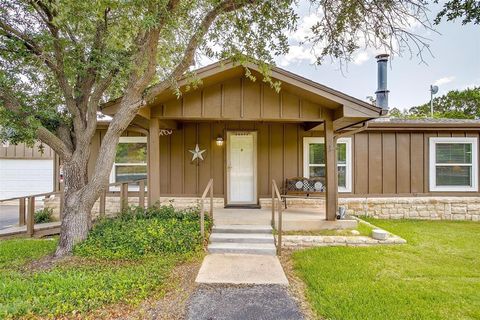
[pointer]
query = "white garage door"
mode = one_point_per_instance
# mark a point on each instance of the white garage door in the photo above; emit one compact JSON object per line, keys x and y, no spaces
{"x":24,"y":177}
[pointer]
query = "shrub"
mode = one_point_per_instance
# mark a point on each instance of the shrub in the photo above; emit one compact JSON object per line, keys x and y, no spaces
{"x":137,"y":232}
{"x":44,"y":215}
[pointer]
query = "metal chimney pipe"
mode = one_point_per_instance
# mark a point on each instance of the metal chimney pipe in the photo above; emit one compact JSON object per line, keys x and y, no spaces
{"x":382,"y":92}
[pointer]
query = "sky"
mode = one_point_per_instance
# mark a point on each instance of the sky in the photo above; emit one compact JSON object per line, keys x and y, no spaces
{"x":455,"y":64}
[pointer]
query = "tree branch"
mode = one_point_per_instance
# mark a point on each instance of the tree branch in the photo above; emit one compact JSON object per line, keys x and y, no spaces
{"x":11,"y":103}
{"x":48,"y":16}
{"x":87,"y":80}
{"x":28,"y":43}
{"x":189,"y":53}
{"x":94,"y":100}
{"x":55,"y":143}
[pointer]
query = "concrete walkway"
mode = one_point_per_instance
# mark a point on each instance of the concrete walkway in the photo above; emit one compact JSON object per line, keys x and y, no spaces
{"x":238,"y":279}
{"x":241,"y":269}
{"x":265,"y":302}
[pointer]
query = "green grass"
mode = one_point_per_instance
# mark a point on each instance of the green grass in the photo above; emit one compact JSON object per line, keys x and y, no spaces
{"x":16,"y":252}
{"x":96,"y":277}
{"x":435,"y":276}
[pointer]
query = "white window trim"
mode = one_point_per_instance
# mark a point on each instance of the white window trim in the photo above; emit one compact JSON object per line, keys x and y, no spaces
{"x":432,"y":169}
{"x":348,"y":164}
{"x":112,"y":172}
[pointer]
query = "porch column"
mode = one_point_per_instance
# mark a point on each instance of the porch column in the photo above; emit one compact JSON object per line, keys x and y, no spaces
{"x":153,"y":162}
{"x":331,"y":169}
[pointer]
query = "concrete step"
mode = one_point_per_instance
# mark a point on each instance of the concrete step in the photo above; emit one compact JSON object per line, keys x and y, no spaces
{"x":241,"y":237}
{"x":244,"y":248}
{"x":242,"y":228}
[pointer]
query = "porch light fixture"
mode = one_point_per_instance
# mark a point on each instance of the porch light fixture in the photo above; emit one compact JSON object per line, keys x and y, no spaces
{"x":219,"y":141}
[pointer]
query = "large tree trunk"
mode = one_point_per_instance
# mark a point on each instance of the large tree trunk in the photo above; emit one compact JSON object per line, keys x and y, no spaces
{"x":81,"y":193}
{"x":75,"y":227}
{"x":76,"y":215}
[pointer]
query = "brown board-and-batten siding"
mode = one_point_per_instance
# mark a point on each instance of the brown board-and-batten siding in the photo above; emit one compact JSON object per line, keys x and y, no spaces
{"x":23,"y":152}
{"x":240,"y":99}
{"x":279,"y":156}
{"x":389,"y":163}
{"x":384,"y":163}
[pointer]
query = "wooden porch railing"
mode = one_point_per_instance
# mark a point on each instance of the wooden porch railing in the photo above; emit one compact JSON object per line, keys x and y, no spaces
{"x":26,"y":208}
{"x":277,"y":203}
{"x":26,"y":204}
{"x":124,"y":193}
{"x":208,"y":189}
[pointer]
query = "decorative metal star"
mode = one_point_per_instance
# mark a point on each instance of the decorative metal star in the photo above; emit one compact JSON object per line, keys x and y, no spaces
{"x":197,"y":153}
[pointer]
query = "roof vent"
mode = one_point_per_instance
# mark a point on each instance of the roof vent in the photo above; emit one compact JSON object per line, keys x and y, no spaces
{"x":382,"y":92}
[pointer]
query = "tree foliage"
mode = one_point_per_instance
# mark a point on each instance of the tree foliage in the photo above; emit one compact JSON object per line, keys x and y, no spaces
{"x":456,"y":104}
{"x":62,"y":58}
{"x":467,"y":10}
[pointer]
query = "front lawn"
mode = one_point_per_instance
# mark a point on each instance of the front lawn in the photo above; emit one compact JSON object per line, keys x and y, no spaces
{"x":435,"y":276}
{"x":123,"y":260}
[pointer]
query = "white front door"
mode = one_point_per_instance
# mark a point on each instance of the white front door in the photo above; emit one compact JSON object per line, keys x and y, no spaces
{"x":242,"y":167}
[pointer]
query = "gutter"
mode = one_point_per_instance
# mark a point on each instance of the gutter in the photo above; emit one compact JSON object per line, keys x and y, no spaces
{"x":355,"y":131}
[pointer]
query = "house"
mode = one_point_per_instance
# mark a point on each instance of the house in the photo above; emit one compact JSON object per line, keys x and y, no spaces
{"x":263,"y":133}
{"x":243,"y":134}
{"x":390,"y":168}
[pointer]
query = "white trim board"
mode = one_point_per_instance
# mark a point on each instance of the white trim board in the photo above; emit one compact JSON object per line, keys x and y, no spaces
{"x":348,"y":165}
{"x":433,"y":141}
{"x":138,"y":139}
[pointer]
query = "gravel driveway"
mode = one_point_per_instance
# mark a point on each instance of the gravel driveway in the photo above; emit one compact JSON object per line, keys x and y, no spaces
{"x":262,"y":302}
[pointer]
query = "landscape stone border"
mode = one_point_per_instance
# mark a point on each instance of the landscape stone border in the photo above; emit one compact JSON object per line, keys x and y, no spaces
{"x":305,"y":241}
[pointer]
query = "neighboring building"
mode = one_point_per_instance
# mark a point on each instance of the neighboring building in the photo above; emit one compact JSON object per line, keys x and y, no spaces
{"x":25,"y":170}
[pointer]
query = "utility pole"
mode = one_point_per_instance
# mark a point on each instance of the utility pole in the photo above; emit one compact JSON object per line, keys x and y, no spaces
{"x":433,"y":90}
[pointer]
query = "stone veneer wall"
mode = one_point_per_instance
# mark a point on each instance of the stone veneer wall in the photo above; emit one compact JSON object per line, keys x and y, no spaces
{"x":426,"y":208}
{"x":296,"y":203}
{"x":112,"y":205}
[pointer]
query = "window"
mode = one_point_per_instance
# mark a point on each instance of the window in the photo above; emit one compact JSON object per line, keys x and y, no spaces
{"x":130,"y":160}
{"x":453,"y":164}
{"x":314,"y":160}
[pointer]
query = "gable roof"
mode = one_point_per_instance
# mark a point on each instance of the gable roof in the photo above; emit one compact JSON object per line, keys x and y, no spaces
{"x":311,"y":90}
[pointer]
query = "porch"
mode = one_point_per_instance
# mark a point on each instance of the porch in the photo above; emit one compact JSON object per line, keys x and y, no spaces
{"x":243,"y":134}
{"x":294,"y":219}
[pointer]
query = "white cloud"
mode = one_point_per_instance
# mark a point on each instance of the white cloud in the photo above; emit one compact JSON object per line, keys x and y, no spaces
{"x":361,"y":57}
{"x":304,"y":29}
{"x":444,"y":80}
{"x":296,"y":54}
{"x":472,"y":85}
